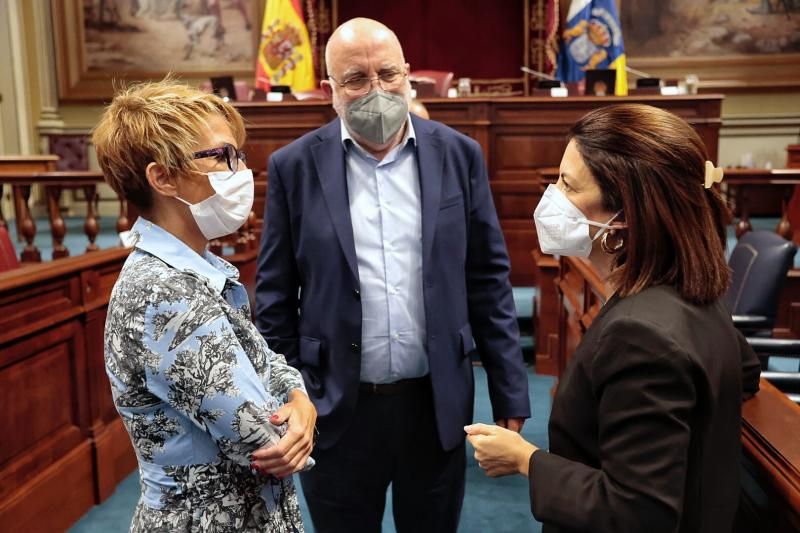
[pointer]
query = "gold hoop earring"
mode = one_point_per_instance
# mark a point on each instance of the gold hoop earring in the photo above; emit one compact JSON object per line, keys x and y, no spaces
{"x":611,"y":249}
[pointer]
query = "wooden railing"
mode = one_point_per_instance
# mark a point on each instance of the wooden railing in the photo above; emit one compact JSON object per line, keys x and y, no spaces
{"x":54,"y":183}
{"x":770,"y":501}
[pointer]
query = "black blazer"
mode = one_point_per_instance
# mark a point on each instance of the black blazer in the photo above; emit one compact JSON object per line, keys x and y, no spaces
{"x":307,"y":247}
{"x":646,"y":422}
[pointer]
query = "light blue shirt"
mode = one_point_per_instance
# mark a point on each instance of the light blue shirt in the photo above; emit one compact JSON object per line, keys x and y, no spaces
{"x":386,"y":213}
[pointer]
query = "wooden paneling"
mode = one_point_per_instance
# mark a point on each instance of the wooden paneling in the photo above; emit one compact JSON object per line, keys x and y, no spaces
{"x":546,"y":313}
{"x":63,"y":446}
{"x":793,"y":156}
{"x":519,"y":137}
{"x":56,"y":496}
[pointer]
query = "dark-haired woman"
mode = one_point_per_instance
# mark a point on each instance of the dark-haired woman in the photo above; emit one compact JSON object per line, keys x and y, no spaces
{"x":645,"y":426}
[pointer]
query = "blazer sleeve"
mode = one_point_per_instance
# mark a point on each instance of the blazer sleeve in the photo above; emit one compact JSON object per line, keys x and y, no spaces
{"x":645,"y":393}
{"x":751,"y":368}
{"x":277,"y":280}
{"x":492,"y":315}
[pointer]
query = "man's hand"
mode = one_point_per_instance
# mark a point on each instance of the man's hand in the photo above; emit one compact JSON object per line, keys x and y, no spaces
{"x":514,"y":424}
{"x":292,"y":451}
{"x":499,"y":451}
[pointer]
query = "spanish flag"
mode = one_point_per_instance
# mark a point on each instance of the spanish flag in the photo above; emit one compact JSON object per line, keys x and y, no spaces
{"x":592,"y":39}
{"x":284,"y":54}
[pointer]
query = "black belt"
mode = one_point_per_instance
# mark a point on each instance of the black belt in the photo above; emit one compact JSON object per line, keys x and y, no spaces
{"x":393,"y":388}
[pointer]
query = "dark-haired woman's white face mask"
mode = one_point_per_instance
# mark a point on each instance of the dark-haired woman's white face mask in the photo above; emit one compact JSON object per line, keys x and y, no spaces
{"x":570,"y":207}
{"x":562,"y":228}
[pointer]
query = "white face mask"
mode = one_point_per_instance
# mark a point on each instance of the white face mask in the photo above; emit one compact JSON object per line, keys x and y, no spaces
{"x":227,"y":210}
{"x":562,"y":228}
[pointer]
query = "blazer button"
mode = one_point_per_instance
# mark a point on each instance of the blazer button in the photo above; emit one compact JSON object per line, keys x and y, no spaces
{"x":356,"y":348}
{"x":357,"y":294}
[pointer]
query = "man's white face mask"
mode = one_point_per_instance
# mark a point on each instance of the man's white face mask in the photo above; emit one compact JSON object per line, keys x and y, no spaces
{"x":562,"y":228}
{"x":227,"y":209}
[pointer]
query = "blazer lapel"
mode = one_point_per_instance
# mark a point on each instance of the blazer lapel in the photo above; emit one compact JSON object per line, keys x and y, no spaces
{"x":431,"y":164}
{"x":329,"y":162}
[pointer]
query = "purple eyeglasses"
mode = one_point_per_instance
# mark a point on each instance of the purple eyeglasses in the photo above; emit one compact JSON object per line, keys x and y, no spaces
{"x":228,"y":152}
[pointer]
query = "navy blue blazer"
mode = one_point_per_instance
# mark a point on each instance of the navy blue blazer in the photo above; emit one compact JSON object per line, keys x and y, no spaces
{"x":307,"y":286}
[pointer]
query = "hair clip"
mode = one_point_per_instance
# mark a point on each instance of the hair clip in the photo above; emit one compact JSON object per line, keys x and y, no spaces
{"x":713,"y":174}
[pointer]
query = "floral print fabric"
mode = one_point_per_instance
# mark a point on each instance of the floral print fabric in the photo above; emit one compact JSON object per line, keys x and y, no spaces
{"x":195,"y":385}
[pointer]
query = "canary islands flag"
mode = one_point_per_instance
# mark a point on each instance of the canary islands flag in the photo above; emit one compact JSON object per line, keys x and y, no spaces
{"x":592,"y":39}
{"x":284,"y":54}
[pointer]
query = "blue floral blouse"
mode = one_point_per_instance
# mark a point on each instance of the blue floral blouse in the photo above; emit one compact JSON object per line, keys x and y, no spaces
{"x":195,"y":385}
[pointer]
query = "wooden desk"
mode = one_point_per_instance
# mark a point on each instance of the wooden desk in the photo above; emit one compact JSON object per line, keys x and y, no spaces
{"x":63,"y":446}
{"x":519,"y":136}
{"x":742,"y":185}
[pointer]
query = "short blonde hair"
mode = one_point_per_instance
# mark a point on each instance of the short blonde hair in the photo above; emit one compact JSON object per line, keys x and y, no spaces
{"x":157,"y":122}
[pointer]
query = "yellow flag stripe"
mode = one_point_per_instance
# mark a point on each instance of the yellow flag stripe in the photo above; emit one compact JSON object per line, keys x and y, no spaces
{"x":621,"y":88}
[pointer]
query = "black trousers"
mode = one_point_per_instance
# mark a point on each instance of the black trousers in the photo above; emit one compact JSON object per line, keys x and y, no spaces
{"x":392,"y":439}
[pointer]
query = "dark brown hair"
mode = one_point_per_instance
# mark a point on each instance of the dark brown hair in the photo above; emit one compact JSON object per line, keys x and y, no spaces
{"x":651,"y":165}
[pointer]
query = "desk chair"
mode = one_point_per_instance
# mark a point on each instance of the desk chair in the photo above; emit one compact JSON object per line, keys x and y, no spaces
{"x":441,"y":80}
{"x":760,"y":262}
{"x":241,"y":88}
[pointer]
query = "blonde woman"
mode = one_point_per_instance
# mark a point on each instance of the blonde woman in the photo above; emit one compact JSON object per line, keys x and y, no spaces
{"x":193,"y":380}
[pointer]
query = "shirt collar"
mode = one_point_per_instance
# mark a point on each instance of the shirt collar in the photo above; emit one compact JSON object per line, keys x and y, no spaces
{"x":347,"y":139}
{"x":156,"y":241}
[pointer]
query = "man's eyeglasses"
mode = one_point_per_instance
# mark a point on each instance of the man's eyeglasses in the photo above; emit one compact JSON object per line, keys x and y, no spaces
{"x":227,"y":152}
{"x":358,"y":85}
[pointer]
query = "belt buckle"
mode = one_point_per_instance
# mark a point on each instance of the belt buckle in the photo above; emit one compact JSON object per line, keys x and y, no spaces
{"x":374,"y":388}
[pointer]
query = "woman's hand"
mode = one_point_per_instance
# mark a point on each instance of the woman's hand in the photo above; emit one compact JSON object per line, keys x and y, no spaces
{"x":292,"y":451}
{"x":499,"y":451}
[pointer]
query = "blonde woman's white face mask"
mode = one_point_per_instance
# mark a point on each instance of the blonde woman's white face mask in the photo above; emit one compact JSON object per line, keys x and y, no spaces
{"x":227,"y":209}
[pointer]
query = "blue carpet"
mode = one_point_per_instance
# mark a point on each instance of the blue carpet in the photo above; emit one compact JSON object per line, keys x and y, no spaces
{"x":523,"y":301}
{"x":783,"y":364}
{"x":496,"y":505}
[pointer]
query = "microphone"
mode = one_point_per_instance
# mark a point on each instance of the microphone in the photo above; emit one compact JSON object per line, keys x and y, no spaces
{"x":645,"y":79}
{"x":638,"y":73}
{"x":545,"y":81}
{"x":537,"y":74}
